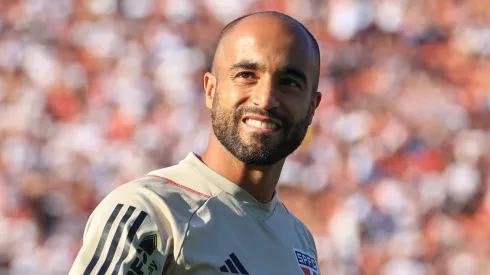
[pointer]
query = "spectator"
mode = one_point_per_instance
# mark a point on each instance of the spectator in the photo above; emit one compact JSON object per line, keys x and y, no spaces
{"x":392,"y":177}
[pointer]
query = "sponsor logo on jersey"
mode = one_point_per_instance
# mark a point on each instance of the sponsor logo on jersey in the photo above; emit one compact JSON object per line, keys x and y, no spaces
{"x":142,"y":263}
{"x":306,"y":262}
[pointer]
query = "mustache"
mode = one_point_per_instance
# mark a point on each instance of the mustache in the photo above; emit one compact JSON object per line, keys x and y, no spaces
{"x":272,"y":114}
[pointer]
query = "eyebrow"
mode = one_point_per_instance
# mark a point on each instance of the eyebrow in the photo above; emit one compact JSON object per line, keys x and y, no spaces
{"x":254,"y":66}
{"x":246,"y":65}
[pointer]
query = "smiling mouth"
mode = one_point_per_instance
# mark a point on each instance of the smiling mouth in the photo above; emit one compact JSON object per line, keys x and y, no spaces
{"x":261,"y":126}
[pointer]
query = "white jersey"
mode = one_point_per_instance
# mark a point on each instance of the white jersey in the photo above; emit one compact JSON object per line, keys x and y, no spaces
{"x":188,"y":219}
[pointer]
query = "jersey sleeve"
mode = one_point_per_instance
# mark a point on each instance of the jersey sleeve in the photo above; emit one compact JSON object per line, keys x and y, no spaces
{"x":124,"y":237}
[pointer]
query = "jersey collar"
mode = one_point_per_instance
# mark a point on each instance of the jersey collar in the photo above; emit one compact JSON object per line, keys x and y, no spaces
{"x":230,"y":187}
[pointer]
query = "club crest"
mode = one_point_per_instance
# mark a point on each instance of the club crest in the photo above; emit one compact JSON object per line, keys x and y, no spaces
{"x":306,"y":262}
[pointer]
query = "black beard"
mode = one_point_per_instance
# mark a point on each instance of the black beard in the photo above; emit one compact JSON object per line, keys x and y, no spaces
{"x":226,"y":125}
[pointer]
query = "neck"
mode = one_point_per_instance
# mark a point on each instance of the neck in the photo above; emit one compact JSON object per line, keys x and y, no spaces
{"x":258,"y":180}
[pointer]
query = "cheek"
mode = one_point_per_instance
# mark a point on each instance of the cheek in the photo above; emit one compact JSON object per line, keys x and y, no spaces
{"x":295,"y":111}
{"x":228,"y":96}
{"x":238,"y":93}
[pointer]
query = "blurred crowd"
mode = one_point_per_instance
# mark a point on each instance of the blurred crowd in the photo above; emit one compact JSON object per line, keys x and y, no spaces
{"x":392,"y":177}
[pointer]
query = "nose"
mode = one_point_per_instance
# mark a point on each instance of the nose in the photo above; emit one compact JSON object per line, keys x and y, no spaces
{"x":264,"y":95}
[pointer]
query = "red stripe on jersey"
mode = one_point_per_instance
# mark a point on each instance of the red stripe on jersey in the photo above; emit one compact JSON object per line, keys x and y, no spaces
{"x":285,"y":208}
{"x":180,"y":186}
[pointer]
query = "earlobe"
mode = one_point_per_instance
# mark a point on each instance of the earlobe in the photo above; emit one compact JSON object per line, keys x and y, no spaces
{"x":209,"y":88}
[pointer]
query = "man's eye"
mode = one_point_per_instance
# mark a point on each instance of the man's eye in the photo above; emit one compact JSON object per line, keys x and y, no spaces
{"x":291,"y":83}
{"x":246,"y":75}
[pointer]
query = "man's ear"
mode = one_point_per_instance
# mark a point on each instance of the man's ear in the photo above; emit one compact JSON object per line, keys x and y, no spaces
{"x":315,"y":102}
{"x":210,"y":88}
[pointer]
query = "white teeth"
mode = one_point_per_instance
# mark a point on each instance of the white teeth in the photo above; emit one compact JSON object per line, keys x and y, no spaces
{"x":260,"y":124}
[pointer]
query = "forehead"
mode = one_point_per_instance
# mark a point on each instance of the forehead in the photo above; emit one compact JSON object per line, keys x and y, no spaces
{"x":270,"y":41}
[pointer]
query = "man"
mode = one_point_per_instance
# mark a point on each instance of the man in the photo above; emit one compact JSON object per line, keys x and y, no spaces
{"x":219,"y":213}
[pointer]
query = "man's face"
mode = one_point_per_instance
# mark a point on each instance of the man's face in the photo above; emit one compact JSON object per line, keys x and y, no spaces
{"x":253,"y":146}
{"x":263,"y":103}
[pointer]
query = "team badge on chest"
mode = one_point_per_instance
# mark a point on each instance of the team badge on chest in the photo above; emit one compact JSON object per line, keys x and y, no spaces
{"x":306,"y":262}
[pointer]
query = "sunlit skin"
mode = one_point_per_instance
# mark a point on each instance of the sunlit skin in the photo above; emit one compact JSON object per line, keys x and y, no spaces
{"x":265,"y":70}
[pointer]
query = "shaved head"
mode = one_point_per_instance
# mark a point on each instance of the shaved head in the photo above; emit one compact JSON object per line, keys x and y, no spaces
{"x":262,"y":90}
{"x":262,"y":19}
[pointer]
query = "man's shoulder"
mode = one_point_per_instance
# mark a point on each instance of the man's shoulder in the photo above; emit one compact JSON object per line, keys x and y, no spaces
{"x":300,"y":225}
{"x":156,"y":189}
{"x":159,"y":187}
{"x":181,"y":178}
{"x":171,"y":190}
{"x":301,"y":228}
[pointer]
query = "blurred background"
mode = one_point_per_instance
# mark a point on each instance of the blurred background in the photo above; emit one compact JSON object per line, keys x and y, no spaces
{"x":391,"y":179}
